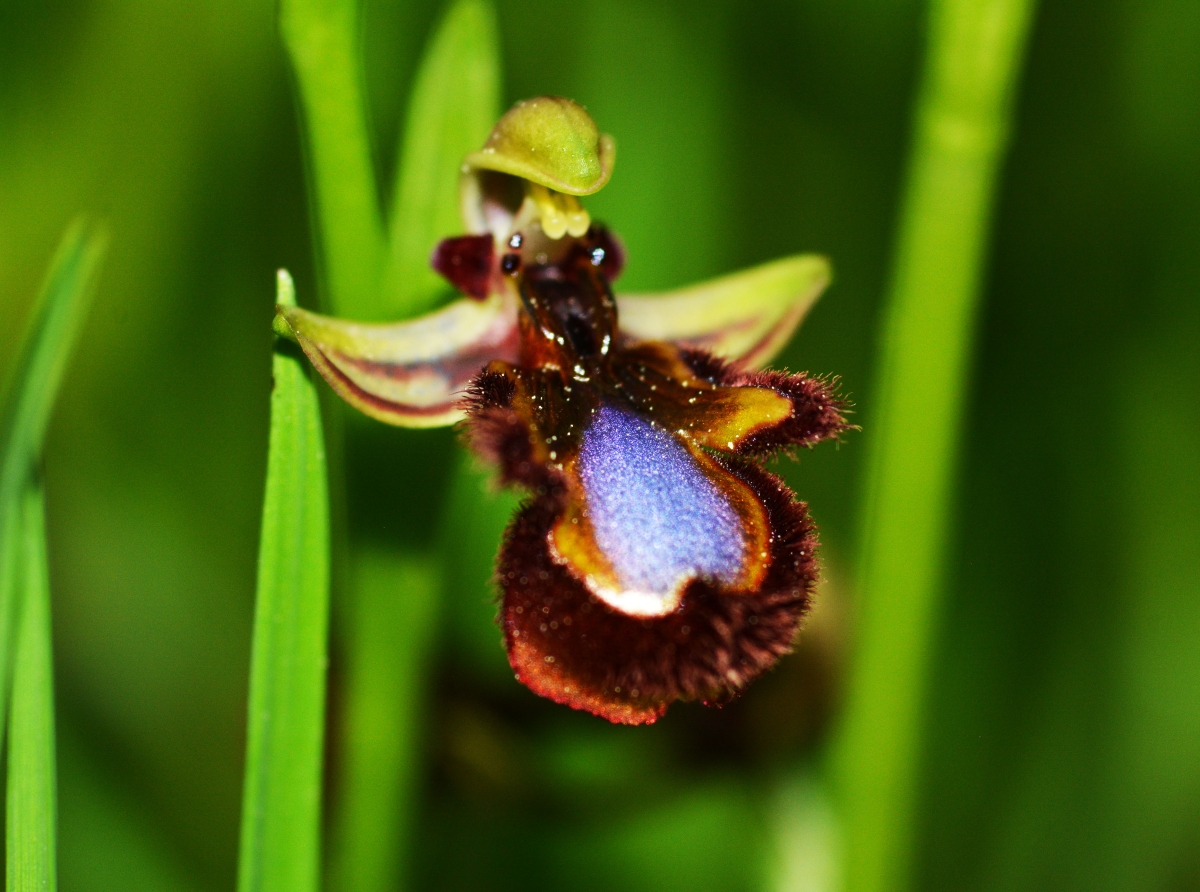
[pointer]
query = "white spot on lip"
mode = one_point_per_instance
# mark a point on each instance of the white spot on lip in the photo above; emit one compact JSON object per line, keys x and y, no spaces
{"x":632,"y":602}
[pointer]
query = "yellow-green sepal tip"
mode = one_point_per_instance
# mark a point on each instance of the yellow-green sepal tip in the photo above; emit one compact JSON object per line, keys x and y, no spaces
{"x":285,"y":296}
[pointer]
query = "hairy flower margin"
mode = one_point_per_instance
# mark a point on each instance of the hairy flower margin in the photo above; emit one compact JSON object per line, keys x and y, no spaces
{"x":656,"y":558}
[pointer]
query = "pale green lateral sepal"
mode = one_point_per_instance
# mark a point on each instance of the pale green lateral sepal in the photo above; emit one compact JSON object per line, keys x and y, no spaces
{"x":409,"y":374}
{"x":746,"y":317}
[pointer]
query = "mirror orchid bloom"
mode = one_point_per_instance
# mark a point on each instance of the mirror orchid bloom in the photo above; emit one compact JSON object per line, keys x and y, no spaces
{"x":656,"y":559}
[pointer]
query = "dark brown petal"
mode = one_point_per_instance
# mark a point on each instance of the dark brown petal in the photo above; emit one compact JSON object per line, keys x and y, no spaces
{"x":567,"y":645}
{"x":660,"y":385}
{"x":818,"y":410}
{"x":467,"y":262}
{"x":709,"y":367}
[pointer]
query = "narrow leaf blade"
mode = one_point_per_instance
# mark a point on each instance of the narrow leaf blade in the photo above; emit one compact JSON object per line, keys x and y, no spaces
{"x":57,"y":317}
{"x":32,"y":809}
{"x":56,"y":320}
{"x":281,"y":817}
{"x":455,"y":102}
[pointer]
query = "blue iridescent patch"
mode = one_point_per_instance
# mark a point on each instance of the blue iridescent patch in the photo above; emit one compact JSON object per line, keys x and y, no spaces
{"x":658,"y":518}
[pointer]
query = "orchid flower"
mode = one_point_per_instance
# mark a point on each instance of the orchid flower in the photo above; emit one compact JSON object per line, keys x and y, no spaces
{"x":656,"y":559}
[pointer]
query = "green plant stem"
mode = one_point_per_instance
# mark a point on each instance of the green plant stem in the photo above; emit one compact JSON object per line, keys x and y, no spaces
{"x":322,"y":39}
{"x":962,"y":125}
{"x":389,"y":642}
{"x":32,"y":811}
{"x":281,"y":809}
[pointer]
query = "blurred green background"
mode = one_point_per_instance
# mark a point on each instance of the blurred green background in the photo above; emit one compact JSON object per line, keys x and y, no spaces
{"x":1064,"y":734}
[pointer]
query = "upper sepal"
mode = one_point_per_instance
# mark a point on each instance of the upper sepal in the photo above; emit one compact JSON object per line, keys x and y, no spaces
{"x":745,"y":317}
{"x":540,"y":157}
{"x":549,"y":141}
{"x":409,"y":374}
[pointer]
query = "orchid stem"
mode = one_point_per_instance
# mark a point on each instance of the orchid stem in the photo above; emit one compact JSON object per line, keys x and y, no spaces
{"x":390,"y":639}
{"x":963,"y":118}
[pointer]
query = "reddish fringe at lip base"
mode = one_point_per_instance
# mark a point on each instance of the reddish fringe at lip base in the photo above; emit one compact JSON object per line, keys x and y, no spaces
{"x":567,"y":645}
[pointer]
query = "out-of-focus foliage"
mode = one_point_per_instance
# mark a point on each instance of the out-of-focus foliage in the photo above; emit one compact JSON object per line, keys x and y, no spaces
{"x":962,"y":118}
{"x":1065,"y":717}
{"x":31,"y":813}
{"x":26,"y":662}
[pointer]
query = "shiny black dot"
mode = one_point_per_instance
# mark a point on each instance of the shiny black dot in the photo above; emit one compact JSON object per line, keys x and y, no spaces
{"x":510,"y":263}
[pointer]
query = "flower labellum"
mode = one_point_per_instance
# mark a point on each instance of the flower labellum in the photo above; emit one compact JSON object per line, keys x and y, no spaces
{"x":656,"y":559}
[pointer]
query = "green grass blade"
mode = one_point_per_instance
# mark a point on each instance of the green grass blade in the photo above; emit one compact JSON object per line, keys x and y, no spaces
{"x":389,"y":642}
{"x":454,"y":103}
{"x":281,"y":808}
{"x":32,"y":811}
{"x":963,"y":119}
{"x":322,"y":39}
{"x":56,"y":320}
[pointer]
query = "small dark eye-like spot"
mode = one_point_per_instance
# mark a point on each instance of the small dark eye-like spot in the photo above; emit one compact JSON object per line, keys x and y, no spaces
{"x":510,"y":263}
{"x":606,"y":254}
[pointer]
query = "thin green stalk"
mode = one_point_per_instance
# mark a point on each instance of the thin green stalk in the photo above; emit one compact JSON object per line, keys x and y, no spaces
{"x":389,"y":641}
{"x":322,"y":39}
{"x":32,"y":807}
{"x":56,"y":320}
{"x":281,"y":808}
{"x":962,"y":125}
